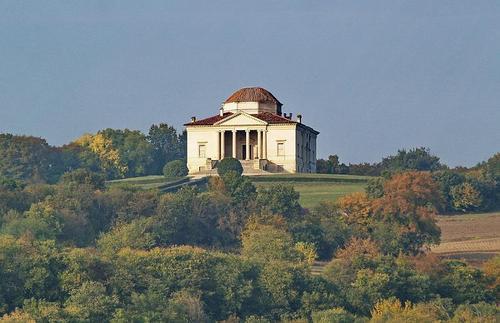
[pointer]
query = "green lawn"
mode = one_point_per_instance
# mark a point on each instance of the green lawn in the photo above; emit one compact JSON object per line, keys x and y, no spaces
{"x":144,"y":182}
{"x":315,"y":188}
{"x":312,"y":193}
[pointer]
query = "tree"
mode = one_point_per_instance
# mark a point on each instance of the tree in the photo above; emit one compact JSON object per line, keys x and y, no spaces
{"x":446,"y":180}
{"x":239,"y":188}
{"x":463,"y":283}
{"x":90,"y":302}
{"x":28,"y":158}
{"x":492,"y":269}
{"x":413,"y":159}
{"x":480,"y":312}
{"x":183,"y":306}
{"x":265,"y":242}
{"x":493,"y":166}
{"x":229,"y":164}
{"x":84,"y":176}
{"x":29,"y":269}
{"x":280,"y":199}
{"x":187,"y":217}
{"x":357,"y":210}
{"x":334,"y":315}
{"x":41,"y":221}
{"x":375,"y":187}
{"x":324,"y":227}
{"x":167,"y":145}
{"x":392,"y":311}
{"x":137,"y":235}
{"x":465,"y":197}
{"x":409,"y":205}
{"x":331,"y":166}
{"x":108,"y":154}
{"x":135,"y":152}
{"x":175,"y":168}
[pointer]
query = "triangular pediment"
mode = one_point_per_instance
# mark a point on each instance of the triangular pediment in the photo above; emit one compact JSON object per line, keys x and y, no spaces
{"x":241,"y":119}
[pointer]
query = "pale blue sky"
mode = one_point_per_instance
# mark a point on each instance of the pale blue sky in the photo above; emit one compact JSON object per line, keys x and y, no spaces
{"x":371,"y":76}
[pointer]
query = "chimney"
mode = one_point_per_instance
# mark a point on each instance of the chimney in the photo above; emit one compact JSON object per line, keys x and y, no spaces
{"x":221,"y":112}
{"x":299,"y":118}
{"x":193,"y":119}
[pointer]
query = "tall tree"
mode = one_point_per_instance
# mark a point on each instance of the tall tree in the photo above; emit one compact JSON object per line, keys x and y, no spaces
{"x":28,"y":158}
{"x":167,"y":145}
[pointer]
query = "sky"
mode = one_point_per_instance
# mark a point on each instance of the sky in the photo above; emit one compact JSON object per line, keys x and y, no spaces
{"x":372,"y":76}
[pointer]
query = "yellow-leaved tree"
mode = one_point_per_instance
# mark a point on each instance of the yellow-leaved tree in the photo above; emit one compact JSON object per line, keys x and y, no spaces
{"x":107,"y":153}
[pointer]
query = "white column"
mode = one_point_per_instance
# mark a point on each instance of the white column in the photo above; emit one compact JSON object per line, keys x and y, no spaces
{"x":264,"y":144}
{"x":247,"y":147}
{"x":259,"y":144}
{"x":222,"y":144}
{"x":218,"y":145}
{"x":234,"y":143}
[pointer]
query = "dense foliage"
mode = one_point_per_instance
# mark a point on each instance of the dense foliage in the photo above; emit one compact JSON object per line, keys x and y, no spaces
{"x":75,"y":250}
{"x":113,"y":153}
{"x":462,"y":190}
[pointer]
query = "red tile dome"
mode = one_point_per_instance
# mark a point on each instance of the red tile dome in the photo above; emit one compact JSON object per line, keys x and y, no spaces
{"x":253,"y":94}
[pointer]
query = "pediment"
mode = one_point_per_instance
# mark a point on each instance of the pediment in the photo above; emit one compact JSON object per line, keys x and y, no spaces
{"x":241,"y":119}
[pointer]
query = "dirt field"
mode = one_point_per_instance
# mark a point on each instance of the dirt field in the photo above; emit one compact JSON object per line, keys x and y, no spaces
{"x":474,"y":238}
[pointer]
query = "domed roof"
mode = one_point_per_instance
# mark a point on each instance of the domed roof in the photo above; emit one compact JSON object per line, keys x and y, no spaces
{"x":253,"y":94}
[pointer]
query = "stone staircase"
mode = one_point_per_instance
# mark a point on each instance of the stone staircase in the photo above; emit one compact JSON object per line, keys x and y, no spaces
{"x":252,"y":167}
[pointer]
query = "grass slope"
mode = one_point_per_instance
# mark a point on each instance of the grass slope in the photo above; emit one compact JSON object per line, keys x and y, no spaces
{"x":315,"y":188}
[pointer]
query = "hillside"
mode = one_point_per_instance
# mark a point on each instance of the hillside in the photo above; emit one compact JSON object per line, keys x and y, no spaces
{"x":313,"y":188}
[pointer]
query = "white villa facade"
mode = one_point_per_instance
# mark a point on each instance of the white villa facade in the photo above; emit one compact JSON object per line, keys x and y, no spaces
{"x":250,"y":126}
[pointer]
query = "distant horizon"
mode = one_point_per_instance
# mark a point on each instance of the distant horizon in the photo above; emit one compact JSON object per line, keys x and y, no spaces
{"x":371,"y":78}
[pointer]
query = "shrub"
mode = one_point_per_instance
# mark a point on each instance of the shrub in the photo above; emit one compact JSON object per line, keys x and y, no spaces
{"x":481,"y":312}
{"x":334,"y":315}
{"x":175,"y":168}
{"x":229,"y":164}
{"x":84,"y":176}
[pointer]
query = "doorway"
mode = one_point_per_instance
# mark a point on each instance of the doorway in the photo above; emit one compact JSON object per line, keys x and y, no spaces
{"x":244,"y":152}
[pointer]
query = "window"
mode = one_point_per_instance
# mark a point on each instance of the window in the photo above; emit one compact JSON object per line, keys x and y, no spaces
{"x":281,"y":149}
{"x":202,"y":151}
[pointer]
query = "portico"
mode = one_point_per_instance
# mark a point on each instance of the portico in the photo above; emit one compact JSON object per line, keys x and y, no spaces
{"x":243,"y":144}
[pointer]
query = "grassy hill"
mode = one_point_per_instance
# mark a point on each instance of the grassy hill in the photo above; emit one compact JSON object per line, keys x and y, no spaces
{"x":313,"y":188}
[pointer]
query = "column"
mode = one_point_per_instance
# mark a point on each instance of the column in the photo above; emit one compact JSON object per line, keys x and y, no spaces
{"x":222,"y":144}
{"x":247,"y":147}
{"x":264,"y":144}
{"x":259,"y":144}
{"x":234,"y":143}
{"x":218,"y":145}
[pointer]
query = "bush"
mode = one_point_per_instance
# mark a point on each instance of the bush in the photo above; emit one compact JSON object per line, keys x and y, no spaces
{"x":229,"y":164}
{"x":175,"y":168}
{"x":334,"y":315}
{"x":84,"y":176}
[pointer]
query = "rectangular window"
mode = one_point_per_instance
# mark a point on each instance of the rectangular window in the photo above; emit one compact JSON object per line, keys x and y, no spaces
{"x":281,"y":149}
{"x":202,"y":151}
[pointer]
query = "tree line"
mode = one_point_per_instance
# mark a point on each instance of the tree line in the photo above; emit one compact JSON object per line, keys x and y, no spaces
{"x":115,"y":153}
{"x":78,"y":251}
{"x":462,"y":189}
